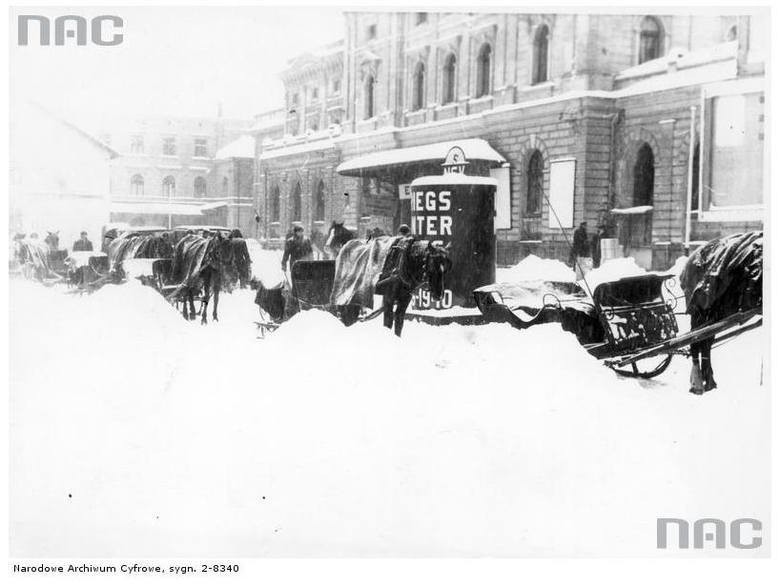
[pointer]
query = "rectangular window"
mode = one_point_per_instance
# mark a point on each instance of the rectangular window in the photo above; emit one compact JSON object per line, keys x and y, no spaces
{"x":137,"y":145}
{"x":336,"y":86}
{"x":315,"y":93}
{"x":503,"y":202}
{"x":734,"y":127}
{"x":201,"y":147}
{"x":422,"y":17}
{"x":371,"y":32}
{"x":169,"y":146}
{"x":562,"y":193}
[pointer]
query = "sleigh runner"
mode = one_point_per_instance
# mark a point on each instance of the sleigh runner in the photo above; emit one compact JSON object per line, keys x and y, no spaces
{"x":627,"y":323}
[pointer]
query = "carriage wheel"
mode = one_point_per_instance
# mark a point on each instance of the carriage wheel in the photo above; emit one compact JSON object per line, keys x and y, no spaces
{"x":646,"y":368}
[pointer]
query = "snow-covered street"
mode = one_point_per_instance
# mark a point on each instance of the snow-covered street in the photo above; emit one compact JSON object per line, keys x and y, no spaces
{"x":136,"y":433}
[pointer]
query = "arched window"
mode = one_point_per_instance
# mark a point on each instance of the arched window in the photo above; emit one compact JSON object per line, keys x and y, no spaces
{"x":137,"y":185}
{"x":169,"y":187}
{"x":650,"y":39}
{"x":199,"y":187}
{"x":418,"y":87}
{"x":319,"y":202}
{"x":448,"y":80}
{"x":368,"y":97}
{"x":533,"y":202}
{"x":295,"y":203}
{"x":644,"y":176}
{"x":275,"y":207}
{"x":225,"y":184}
{"x":483,"y":70}
{"x":541,"y":54}
{"x":695,"y":178}
{"x":641,"y":226}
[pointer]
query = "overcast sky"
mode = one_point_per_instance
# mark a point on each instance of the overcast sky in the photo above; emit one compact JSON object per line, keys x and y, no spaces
{"x":173,"y":61}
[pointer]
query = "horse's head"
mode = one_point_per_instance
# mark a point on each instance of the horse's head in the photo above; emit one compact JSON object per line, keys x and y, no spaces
{"x":52,"y":239}
{"x":437,"y":263}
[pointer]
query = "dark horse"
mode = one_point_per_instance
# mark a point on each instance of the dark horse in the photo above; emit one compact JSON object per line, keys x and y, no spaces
{"x":338,"y":236}
{"x":723,"y":277}
{"x":394,"y":267}
{"x":208,"y":264}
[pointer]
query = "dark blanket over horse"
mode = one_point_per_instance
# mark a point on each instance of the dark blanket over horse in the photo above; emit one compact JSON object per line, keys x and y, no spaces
{"x":208,"y":265}
{"x":393,"y":267}
{"x":723,"y":277}
{"x":134,"y":245}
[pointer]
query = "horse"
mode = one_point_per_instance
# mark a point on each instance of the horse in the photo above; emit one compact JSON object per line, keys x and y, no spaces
{"x":208,"y":264}
{"x":52,"y":240}
{"x":392,"y":266}
{"x":723,"y":277}
{"x":33,"y":258}
{"x":338,"y":236}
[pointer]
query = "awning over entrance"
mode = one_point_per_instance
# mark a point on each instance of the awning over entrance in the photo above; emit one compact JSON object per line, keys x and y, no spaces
{"x":475,"y":149}
{"x":636,"y":210}
{"x":164,"y":208}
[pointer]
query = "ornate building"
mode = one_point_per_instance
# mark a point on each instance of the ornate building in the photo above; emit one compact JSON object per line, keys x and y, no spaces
{"x":650,"y":125}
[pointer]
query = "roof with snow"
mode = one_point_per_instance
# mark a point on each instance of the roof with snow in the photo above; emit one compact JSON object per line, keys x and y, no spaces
{"x":473,"y":148}
{"x":241,"y":148}
{"x":681,"y":59}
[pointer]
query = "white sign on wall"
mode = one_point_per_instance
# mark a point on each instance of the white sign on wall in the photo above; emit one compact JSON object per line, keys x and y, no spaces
{"x":503,"y":201}
{"x":405,"y":191}
{"x":562,"y":193}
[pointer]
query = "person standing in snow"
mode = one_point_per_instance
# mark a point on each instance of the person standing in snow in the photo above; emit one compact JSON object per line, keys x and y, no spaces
{"x":580,"y":251}
{"x":82,"y":244}
{"x":595,"y":246}
{"x":296,"y":247}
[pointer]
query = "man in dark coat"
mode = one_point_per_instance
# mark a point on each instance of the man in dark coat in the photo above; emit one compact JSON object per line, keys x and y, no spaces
{"x":295,"y":248}
{"x":580,"y":251}
{"x":82,"y":244}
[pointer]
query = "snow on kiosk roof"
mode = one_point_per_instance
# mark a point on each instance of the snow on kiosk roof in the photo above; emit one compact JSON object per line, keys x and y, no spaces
{"x":454,"y":179}
{"x":476,"y":149}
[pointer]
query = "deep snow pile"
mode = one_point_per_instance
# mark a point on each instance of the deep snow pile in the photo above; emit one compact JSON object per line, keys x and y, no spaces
{"x":614,"y":268}
{"x":266,"y":264}
{"x":534,"y":268}
{"x":135,"y":433}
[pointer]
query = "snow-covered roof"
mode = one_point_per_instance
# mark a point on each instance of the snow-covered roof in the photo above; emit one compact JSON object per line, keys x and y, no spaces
{"x":157,"y":207}
{"x":682,"y":59}
{"x":241,"y":148}
{"x":318,"y":145}
{"x":631,"y":211}
{"x":473,"y":148}
{"x":454,"y":179}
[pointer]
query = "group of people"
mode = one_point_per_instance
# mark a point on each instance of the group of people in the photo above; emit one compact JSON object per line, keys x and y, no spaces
{"x":298,"y":247}
{"x":82,"y":244}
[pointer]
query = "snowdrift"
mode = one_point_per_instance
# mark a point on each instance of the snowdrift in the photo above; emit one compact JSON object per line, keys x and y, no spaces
{"x":135,"y":433}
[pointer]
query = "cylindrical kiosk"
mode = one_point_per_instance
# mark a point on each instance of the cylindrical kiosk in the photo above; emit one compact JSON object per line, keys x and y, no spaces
{"x":457,"y":210}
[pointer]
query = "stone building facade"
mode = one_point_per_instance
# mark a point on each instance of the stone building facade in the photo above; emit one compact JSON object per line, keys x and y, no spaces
{"x":660,"y":117}
{"x":166,"y":171}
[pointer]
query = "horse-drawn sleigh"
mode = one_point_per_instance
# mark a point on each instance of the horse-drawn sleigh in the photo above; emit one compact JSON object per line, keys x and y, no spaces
{"x":631,"y":324}
{"x":393,"y":267}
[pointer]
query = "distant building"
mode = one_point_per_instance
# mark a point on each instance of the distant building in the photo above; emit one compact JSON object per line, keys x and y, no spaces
{"x":234,"y":175}
{"x":60,"y":176}
{"x":166,"y":170}
{"x":652,"y":125}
